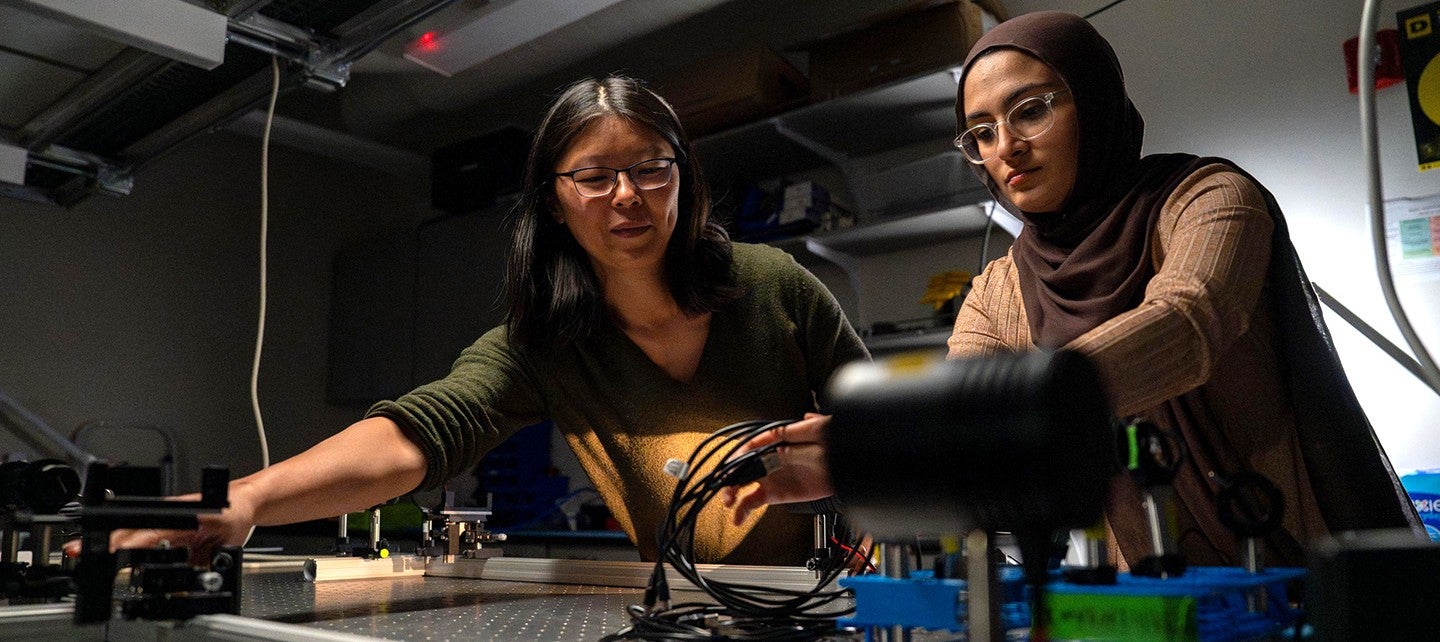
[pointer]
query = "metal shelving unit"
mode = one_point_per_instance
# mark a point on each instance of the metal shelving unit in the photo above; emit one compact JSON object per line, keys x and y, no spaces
{"x":870,"y":138}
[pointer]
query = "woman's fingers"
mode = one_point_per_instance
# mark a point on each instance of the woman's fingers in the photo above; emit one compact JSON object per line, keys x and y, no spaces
{"x":143,"y":538}
{"x":746,"y":501}
{"x":728,"y":495}
{"x":152,"y":537}
{"x":811,"y":429}
{"x":133,"y":538}
{"x":800,"y":477}
{"x":228,"y":527}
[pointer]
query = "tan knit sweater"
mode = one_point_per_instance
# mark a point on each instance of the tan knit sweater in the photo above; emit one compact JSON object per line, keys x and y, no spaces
{"x":1200,"y":323}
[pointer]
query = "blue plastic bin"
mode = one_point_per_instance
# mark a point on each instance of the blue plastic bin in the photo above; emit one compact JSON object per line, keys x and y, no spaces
{"x":1424,"y":489}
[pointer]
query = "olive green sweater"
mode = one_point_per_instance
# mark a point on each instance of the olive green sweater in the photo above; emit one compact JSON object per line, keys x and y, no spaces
{"x":768,"y":356}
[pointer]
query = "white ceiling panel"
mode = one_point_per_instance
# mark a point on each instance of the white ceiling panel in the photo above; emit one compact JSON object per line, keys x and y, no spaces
{"x":28,"y":86}
{"x":638,"y":37}
{"x":25,"y":32}
{"x":12,"y":164}
{"x":170,"y":28}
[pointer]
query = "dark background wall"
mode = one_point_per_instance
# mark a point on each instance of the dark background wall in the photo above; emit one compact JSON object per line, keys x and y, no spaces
{"x":143,"y":308}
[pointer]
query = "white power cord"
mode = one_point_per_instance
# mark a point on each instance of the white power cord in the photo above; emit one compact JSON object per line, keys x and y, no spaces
{"x":264,"y":258}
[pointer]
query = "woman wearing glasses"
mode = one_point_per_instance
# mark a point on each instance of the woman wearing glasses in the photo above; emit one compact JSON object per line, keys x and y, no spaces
{"x":1176,"y":276}
{"x":632,"y":322}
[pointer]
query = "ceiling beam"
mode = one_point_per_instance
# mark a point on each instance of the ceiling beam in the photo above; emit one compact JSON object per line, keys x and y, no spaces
{"x":91,"y":95}
{"x":171,"y":28}
{"x":12,"y":164}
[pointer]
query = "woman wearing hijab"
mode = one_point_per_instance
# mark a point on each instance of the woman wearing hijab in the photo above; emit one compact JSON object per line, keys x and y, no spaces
{"x":1176,"y":276}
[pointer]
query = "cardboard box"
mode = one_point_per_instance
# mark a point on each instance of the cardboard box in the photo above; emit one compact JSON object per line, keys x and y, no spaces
{"x":732,"y":88}
{"x":894,"y":47}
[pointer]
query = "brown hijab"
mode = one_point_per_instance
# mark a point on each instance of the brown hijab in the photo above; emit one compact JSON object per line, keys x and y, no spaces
{"x":1091,"y":261}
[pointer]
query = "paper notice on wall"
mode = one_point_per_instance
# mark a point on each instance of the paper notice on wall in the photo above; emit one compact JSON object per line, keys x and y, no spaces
{"x":1412,"y":235}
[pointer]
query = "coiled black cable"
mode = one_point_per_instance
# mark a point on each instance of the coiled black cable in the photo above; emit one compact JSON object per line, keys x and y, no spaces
{"x":742,"y":611}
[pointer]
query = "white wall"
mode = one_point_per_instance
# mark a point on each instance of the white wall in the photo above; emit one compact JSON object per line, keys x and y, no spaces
{"x":1262,"y":82}
{"x":143,"y":308}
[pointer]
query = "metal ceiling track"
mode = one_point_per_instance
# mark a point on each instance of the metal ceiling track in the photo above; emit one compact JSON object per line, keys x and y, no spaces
{"x":149,"y":99}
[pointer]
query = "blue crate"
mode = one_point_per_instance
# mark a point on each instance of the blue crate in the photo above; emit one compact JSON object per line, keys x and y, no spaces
{"x":925,"y":602}
{"x":1207,"y":604}
{"x":518,"y":474}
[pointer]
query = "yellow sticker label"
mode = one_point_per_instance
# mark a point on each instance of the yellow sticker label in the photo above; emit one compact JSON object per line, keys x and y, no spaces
{"x":1417,"y":26}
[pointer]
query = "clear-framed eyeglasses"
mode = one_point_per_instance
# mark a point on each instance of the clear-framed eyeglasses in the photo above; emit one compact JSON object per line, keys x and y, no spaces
{"x":1027,"y":120}
{"x":592,"y":182}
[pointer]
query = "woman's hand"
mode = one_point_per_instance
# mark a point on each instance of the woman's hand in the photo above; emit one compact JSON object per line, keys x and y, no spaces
{"x":230,"y":527}
{"x":801,"y":476}
{"x":361,"y":466}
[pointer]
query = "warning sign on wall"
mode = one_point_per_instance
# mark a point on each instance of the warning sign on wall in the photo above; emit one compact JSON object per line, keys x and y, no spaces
{"x":1420,"y":53}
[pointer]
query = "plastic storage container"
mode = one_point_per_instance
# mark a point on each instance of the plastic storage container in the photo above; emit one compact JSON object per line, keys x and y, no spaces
{"x":1424,"y":489}
{"x":933,"y":182}
{"x":1207,"y":604}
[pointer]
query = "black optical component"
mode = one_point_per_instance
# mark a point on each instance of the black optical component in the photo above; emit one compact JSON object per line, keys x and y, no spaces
{"x":1016,"y":442}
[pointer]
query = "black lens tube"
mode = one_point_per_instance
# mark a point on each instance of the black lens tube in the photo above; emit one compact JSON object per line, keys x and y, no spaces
{"x":1016,"y":442}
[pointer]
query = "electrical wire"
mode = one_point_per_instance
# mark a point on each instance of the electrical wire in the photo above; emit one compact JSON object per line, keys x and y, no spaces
{"x":1370,"y":147}
{"x":264,"y":259}
{"x":985,"y":244}
{"x":1101,"y":10}
{"x":742,"y":611}
{"x":857,"y":552}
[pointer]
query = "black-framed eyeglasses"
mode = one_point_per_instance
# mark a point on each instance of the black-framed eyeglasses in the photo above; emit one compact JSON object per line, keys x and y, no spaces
{"x":591,"y":182}
{"x":1027,"y":120}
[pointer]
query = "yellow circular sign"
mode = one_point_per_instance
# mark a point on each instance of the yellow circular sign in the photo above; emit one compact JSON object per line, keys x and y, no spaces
{"x":1427,"y":91}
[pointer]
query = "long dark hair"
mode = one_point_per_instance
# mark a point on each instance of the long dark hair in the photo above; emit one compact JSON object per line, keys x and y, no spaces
{"x":551,"y":292}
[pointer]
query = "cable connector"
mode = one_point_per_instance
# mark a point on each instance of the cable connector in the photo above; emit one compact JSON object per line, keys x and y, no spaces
{"x":657,"y":592}
{"x":702,"y":620}
{"x":676,"y":468}
{"x":657,"y":598}
{"x":753,"y":469}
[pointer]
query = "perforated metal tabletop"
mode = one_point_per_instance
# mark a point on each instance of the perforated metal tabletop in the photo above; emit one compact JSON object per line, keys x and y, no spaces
{"x":278,"y":603}
{"x":437,"y":608}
